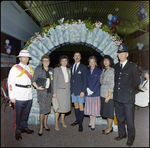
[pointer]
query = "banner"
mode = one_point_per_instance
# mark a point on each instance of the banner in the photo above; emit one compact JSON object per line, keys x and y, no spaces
{"x":7,"y":60}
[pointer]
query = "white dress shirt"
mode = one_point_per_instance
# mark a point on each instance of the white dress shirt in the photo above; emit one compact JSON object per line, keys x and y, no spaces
{"x":74,"y":66}
{"x":64,"y":70}
{"x":124,"y":63}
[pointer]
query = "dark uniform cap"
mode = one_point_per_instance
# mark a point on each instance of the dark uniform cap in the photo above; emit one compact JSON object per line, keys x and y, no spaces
{"x":122,"y":48}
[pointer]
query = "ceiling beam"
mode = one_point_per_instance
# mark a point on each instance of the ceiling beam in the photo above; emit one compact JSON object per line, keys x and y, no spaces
{"x":46,"y":5}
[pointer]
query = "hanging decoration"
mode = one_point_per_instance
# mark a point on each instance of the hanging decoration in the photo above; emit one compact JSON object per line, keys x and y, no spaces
{"x":140,"y":46}
{"x":141,"y":14}
{"x":7,"y":47}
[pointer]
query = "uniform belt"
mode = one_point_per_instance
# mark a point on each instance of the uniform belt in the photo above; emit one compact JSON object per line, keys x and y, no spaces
{"x":25,"y":86}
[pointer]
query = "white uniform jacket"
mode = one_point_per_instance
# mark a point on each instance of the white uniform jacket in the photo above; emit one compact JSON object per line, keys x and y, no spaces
{"x":19,"y":93}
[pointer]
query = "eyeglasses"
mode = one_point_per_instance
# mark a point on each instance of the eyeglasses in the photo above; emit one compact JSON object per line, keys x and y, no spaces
{"x":45,"y":61}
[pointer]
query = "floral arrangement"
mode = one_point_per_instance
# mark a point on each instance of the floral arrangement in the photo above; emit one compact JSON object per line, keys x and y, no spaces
{"x":116,"y":38}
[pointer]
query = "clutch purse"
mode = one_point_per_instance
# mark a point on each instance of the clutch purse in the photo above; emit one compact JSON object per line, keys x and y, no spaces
{"x":41,"y":82}
{"x":55,"y":104}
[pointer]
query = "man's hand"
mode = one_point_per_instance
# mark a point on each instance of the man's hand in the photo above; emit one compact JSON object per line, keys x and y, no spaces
{"x":82,"y":94}
{"x":107,"y":99}
{"x":144,"y":88}
{"x":13,"y":100}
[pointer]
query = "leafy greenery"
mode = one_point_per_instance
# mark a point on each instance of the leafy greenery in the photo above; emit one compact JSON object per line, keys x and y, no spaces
{"x":87,"y":23}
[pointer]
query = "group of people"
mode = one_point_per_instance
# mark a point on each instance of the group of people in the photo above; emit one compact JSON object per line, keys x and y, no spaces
{"x":94,"y":92}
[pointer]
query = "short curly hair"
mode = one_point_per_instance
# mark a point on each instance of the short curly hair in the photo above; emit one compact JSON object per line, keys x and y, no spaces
{"x":64,"y":57}
{"x":45,"y":56}
{"x":110,"y":60}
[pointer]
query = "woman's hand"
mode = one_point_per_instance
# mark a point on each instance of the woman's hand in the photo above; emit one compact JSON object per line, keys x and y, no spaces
{"x":40,"y":88}
{"x":54,"y":95}
{"x":144,"y":88}
{"x":107,"y":99}
{"x":13,"y":100}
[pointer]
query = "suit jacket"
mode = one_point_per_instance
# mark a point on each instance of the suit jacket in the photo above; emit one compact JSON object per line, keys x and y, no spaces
{"x":107,"y":82}
{"x":127,"y":80}
{"x":40,"y":73}
{"x":79,"y":80}
{"x":94,"y":81}
{"x":59,"y":80}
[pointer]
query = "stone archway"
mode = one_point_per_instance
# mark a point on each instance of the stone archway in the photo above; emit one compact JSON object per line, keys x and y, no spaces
{"x":99,"y":40}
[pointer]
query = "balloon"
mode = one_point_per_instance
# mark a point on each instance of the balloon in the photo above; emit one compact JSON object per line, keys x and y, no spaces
{"x":139,"y":47}
{"x":7,"y":42}
{"x":142,"y":45}
{"x":139,"y":13}
{"x":47,"y":25}
{"x":118,"y":21}
{"x":141,"y":6}
{"x":110,"y":17}
{"x":114,"y":18}
{"x":22,"y":47}
{"x":113,"y":29}
{"x":8,"y":50}
{"x":6,"y":47}
{"x":112,"y":22}
{"x":140,"y":18}
{"x":138,"y":44}
{"x":142,"y":10}
{"x":9,"y":46}
{"x":109,"y":23}
{"x":143,"y":16}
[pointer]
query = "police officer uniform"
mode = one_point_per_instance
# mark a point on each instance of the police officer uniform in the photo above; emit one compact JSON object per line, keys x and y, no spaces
{"x":19,"y":87}
{"x":127,"y":79}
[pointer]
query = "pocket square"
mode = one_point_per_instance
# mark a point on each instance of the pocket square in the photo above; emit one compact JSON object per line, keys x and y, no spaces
{"x":79,"y":72}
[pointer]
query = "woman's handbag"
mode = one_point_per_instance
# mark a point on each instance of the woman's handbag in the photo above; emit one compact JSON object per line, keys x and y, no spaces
{"x":55,"y":104}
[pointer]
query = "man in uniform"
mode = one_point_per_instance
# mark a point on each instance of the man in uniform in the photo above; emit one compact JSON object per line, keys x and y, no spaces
{"x":127,"y":79}
{"x":20,"y":93}
{"x":78,"y":89}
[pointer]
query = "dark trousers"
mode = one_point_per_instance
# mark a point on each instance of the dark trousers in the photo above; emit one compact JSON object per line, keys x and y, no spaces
{"x":21,"y":114}
{"x":125,"y":111}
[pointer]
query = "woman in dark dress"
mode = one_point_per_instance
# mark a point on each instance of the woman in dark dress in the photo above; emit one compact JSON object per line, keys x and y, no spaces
{"x":44,"y":95}
{"x":107,"y":86}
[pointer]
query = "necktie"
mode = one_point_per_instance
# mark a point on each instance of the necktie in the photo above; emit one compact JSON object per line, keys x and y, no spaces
{"x":121,"y":66}
{"x":74,"y":68}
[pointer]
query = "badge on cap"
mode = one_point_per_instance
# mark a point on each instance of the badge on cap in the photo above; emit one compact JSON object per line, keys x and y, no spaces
{"x":120,"y":48}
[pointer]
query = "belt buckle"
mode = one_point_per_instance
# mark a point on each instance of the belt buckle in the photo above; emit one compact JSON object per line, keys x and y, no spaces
{"x":28,"y":86}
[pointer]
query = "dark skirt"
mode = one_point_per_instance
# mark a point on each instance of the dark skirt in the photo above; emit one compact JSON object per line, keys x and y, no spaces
{"x":107,"y":109}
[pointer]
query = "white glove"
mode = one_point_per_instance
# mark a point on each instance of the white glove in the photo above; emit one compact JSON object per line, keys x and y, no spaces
{"x":89,"y":92}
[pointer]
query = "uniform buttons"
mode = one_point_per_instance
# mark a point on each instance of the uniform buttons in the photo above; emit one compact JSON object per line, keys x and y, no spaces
{"x":73,"y":81}
{"x":119,"y":78}
{"x":118,"y":83}
{"x":118,"y":88}
{"x":120,"y":72}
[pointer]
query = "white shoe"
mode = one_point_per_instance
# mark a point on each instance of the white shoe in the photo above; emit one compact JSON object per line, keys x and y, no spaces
{"x":64,"y":125}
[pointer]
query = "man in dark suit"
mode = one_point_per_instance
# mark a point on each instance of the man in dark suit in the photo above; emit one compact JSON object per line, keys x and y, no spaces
{"x":127,"y":79}
{"x":78,"y":88}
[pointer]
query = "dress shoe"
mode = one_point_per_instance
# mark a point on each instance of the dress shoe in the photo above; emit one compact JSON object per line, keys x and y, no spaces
{"x":40,"y":134}
{"x":57,"y":129}
{"x":89,"y":126}
{"x":18,"y":136}
{"x":108,"y":132}
{"x":92,"y":129}
{"x":80,"y":128}
{"x":64,"y":125}
{"x":28,"y":131}
{"x":74,"y":123}
{"x":47,"y":129}
{"x":120,"y":137}
{"x":129,"y":143}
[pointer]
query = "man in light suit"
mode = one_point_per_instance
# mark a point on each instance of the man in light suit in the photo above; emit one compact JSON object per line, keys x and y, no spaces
{"x":78,"y":88}
{"x":127,"y":79}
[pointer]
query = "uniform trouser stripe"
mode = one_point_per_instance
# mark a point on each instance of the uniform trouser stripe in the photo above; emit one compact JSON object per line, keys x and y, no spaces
{"x":14,"y":118}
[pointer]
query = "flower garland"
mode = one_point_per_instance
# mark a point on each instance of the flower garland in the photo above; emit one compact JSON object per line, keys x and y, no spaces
{"x":116,"y":38}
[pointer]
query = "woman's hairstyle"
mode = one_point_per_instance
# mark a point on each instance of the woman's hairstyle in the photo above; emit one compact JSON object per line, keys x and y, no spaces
{"x":110,"y":60}
{"x":64,"y":57}
{"x":45,"y":56}
{"x":94,"y":58}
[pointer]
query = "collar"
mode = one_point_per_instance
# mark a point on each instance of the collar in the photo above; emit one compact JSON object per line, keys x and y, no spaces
{"x":44,"y":69}
{"x":124,"y":63}
{"x":22,"y":65}
{"x":77,"y":64}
